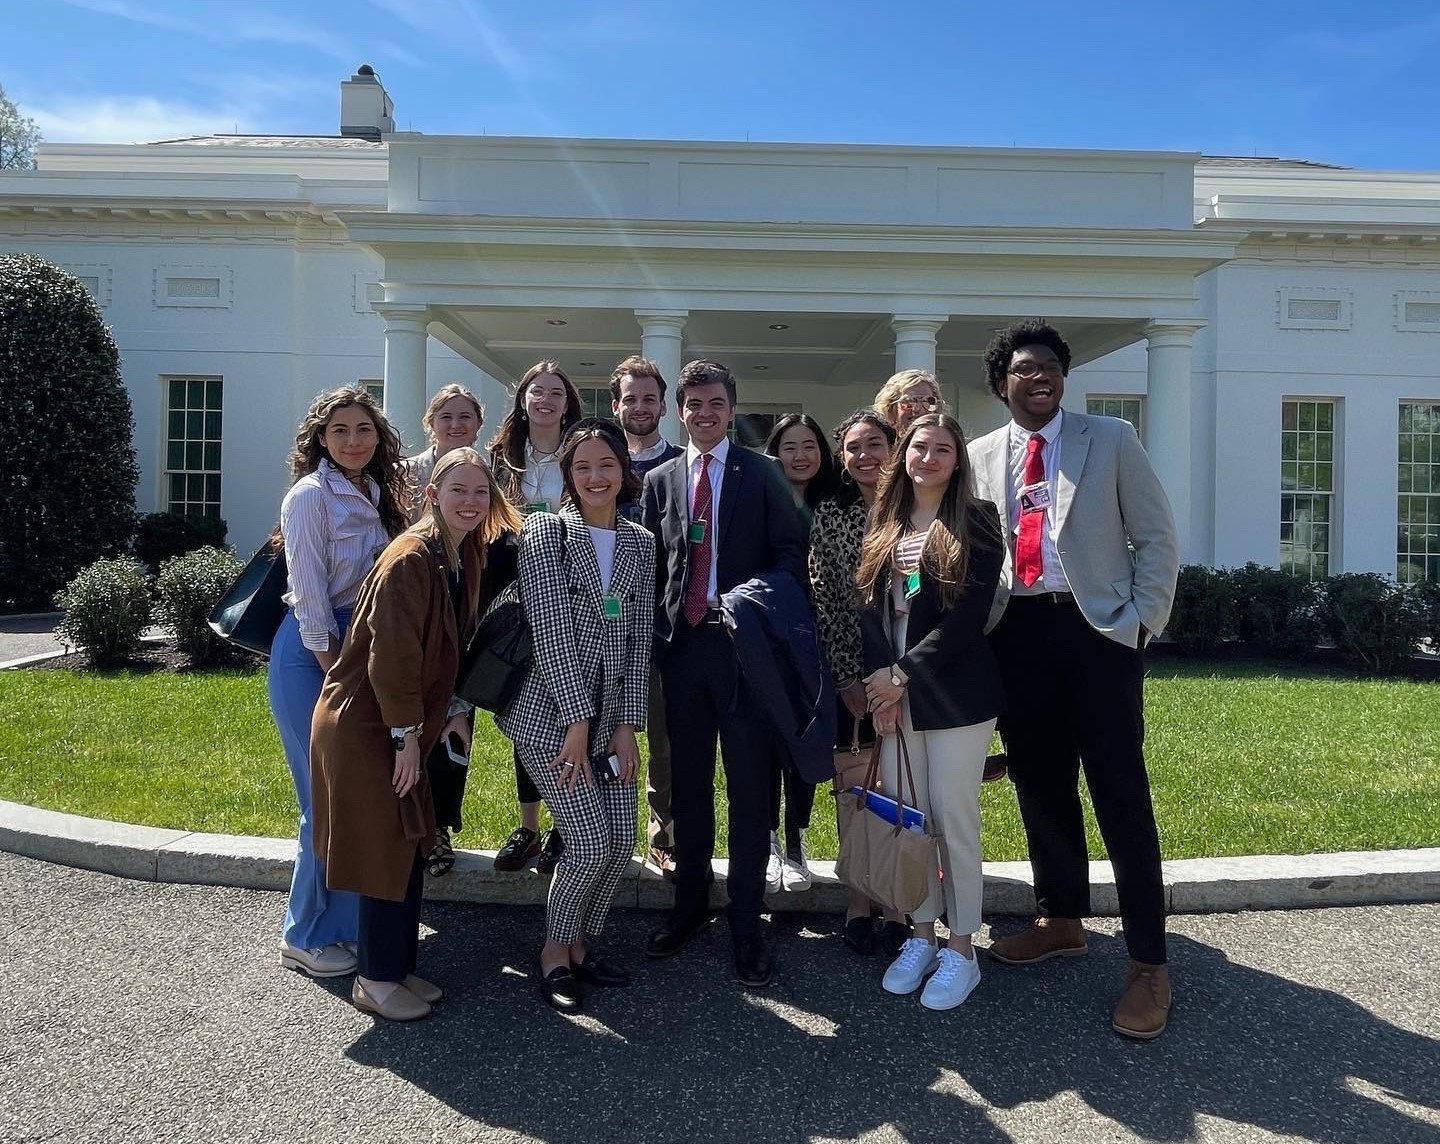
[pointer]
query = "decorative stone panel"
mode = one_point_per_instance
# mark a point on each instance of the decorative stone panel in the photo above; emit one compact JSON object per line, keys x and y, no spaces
{"x":194,"y":287}
{"x":1314,"y":308}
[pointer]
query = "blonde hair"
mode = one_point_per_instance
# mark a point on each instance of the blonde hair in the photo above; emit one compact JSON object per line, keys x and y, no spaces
{"x":887,"y":401}
{"x":499,"y":518}
{"x":444,"y":394}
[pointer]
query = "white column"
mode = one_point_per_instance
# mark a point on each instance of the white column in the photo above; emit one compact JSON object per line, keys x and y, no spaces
{"x":661,"y":340}
{"x":1174,"y":428}
{"x":915,"y":340}
{"x":405,"y":347}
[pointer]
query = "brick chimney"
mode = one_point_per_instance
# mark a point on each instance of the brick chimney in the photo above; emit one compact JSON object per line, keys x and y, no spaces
{"x":366,"y":111}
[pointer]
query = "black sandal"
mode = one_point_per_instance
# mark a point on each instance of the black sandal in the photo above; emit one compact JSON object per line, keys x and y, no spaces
{"x":441,"y":859}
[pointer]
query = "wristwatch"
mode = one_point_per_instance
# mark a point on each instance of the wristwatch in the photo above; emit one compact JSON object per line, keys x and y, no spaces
{"x":397,"y":736}
{"x":896,"y":678}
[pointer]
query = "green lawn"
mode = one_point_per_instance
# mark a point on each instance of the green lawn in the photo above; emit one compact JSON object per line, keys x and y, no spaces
{"x":1244,"y":759}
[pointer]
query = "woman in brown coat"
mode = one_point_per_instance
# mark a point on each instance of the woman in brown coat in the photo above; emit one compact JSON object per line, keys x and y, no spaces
{"x":386,"y":703}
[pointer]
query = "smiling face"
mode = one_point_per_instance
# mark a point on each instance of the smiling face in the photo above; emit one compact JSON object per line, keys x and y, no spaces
{"x":545,"y":401}
{"x":919,"y":399}
{"x":640,"y":406}
{"x":864,"y":451}
{"x":597,"y":476}
{"x":463,"y":498}
{"x":799,"y":454}
{"x":1034,"y":385}
{"x":931,"y":457}
{"x":454,"y":425}
{"x":706,"y":414}
{"x":350,"y":437}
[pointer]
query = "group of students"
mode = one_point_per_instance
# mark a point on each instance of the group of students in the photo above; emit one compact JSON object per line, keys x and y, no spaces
{"x":947,"y":587}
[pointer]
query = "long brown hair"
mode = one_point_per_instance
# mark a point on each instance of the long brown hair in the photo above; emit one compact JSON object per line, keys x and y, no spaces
{"x":507,"y":447}
{"x":383,"y":468}
{"x":501,"y":516}
{"x":945,"y":557}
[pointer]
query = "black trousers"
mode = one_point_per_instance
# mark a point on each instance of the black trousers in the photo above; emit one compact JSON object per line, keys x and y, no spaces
{"x":1076,"y":699}
{"x":705,"y":700}
{"x":524,"y":785}
{"x":799,"y":795}
{"x":390,"y":931}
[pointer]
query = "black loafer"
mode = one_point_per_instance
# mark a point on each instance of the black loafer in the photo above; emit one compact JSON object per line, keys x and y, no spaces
{"x":860,"y":934}
{"x":522,"y":845}
{"x":561,"y":990}
{"x":674,"y":932}
{"x":753,"y":964}
{"x":597,"y":971}
{"x":891,"y":937}
{"x":550,"y":852}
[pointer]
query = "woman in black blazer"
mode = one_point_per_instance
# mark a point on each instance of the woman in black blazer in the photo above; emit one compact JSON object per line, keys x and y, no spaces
{"x":928,"y":571}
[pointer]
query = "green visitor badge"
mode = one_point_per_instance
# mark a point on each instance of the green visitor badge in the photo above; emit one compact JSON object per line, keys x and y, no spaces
{"x":611,"y":607}
{"x":912,"y":584}
{"x":697,"y":532}
{"x":538,"y":506}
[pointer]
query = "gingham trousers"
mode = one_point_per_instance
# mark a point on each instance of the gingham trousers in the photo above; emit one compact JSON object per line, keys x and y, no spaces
{"x":598,"y":825}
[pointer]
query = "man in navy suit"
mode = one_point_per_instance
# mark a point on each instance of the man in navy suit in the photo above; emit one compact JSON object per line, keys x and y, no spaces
{"x":721,"y":514}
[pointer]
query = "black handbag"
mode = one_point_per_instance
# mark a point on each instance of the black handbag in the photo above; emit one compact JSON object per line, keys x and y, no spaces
{"x":249,"y":613}
{"x":498,"y":655}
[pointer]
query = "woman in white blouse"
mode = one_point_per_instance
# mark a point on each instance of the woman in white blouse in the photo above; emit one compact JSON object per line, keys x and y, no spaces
{"x":525,"y":458}
{"x":346,"y":502}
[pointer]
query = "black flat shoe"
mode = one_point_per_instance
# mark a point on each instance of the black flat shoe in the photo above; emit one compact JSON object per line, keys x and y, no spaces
{"x":753,"y":964}
{"x":550,"y":853}
{"x":891,"y":937}
{"x":860,"y":934}
{"x":522,"y":845}
{"x":674,"y":932}
{"x":597,"y":971}
{"x":561,"y":990}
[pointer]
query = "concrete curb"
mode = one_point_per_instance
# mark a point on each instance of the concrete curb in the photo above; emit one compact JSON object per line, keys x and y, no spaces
{"x":1192,"y":885}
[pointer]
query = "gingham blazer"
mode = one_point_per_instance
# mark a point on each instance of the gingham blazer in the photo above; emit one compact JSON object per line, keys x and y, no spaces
{"x":579,"y":655}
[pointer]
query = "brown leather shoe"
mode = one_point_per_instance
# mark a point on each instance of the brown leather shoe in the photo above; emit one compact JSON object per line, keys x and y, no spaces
{"x":1144,"y":1007}
{"x":1046,"y":938}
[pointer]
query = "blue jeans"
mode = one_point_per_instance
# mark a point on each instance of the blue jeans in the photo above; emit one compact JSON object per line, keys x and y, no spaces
{"x":316,"y":916}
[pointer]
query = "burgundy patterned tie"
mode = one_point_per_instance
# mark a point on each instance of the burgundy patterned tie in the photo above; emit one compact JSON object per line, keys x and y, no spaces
{"x":697,"y":589}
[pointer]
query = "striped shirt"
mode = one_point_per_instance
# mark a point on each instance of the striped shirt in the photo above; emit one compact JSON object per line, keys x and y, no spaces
{"x":905,"y":561}
{"x":332,"y":536}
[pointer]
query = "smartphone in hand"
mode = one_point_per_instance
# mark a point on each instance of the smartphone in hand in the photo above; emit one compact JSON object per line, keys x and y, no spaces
{"x":455,"y":748}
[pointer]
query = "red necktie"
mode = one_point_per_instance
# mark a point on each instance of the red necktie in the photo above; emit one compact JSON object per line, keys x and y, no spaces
{"x":1028,"y":564}
{"x":697,"y":589}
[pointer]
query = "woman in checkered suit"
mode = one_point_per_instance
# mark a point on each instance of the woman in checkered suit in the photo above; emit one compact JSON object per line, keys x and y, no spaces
{"x":587,"y":584}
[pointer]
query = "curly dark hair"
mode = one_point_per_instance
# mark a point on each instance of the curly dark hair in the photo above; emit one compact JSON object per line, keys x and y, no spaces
{"x":1030,"y":332}
{"x":598,"y":429}
{"x":847,"y":491}
{"x":822,"y":484}
{"x":384,"y":467}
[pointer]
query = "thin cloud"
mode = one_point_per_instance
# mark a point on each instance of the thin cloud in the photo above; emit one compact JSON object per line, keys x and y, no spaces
{"x":248,"y":26}
{"x":132,"y":119}
{"x":449,"y":20}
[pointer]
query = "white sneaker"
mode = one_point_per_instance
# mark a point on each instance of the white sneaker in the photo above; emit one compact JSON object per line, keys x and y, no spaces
{"x":775,"y":867}
{"x":954,"y":981}
{"x":795,"y":875}
{"x":322,"y":961}
{"x":918,"y":960}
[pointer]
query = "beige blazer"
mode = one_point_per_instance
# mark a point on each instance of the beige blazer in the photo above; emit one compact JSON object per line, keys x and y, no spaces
{"x":1107,"y":500}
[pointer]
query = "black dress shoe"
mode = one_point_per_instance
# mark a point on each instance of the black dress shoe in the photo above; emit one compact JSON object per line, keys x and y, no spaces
{"x":550,"y":852}
{"x":597,"y":971}
{"x":561,"y":990}
{"x":860,"y":934}
{"x":522,"y":845}
{"x":674,"y":932}
{"x":891,"y":937}
{"x":753,"y":963}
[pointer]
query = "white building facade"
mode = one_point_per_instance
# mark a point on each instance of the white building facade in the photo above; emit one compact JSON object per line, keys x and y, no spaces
{"x":1272,"y":328}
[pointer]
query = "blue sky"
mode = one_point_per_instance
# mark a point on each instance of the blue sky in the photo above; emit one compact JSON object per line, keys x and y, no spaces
{"x":1341,"y":82}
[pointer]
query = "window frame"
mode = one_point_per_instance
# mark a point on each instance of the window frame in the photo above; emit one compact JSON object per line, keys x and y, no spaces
{"x":208,"y":505}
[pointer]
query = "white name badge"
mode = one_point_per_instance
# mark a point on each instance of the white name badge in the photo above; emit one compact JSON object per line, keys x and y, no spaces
{"x":1036,"y":497}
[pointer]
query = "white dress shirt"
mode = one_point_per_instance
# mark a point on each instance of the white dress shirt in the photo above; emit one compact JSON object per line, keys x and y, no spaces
{"x":332,"y":536}
{"x":718,"y":456}
{"x":1052,"y":575}
{"x":542,"y":479}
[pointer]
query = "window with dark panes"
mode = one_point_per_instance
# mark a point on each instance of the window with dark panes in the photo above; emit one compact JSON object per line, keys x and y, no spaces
{"x":1417,"y":550}
{"x":1307,"y":486}
{"x":192,"y":445}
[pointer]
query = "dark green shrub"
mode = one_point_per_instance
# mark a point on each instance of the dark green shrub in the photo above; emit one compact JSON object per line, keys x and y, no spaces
{"x":67,"y":468}
{"x":1203,"y":615}
{"x":187,"y":589}
{"x":161,"y":535}
{"x":1276,"y":612}
{"x":1375,"y":622}
{"x":107,"y":607}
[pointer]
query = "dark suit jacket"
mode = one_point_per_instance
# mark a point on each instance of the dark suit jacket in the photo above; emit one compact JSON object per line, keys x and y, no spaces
{"x":757,"y":530}
{"x":954,"y":679}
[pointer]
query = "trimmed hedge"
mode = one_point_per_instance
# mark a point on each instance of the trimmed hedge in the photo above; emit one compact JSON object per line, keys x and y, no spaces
{"x":186,"y":591}
{"x":1374,"y":623}
{"x":107,"y":608}
{"x":161,"y":535}
{"x":68,"y":466}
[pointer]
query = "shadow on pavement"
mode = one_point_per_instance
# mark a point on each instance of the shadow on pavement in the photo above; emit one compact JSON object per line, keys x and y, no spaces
{"x":687,"y":1055}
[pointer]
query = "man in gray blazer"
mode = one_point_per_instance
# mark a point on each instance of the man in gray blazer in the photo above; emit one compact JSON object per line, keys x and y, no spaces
{"x":1090,"y":568}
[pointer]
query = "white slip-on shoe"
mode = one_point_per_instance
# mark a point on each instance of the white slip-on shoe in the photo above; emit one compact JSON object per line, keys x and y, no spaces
{"x":918,"y":960}
{"x":795,"y":874}
{"x":322,"y":961}
{"x":774,"y":867}
{"x":952,"y":982}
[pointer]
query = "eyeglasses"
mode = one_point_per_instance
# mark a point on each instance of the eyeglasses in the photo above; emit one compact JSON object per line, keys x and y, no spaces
{"x":918,"y":402}
{"x":1026,"y":370}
